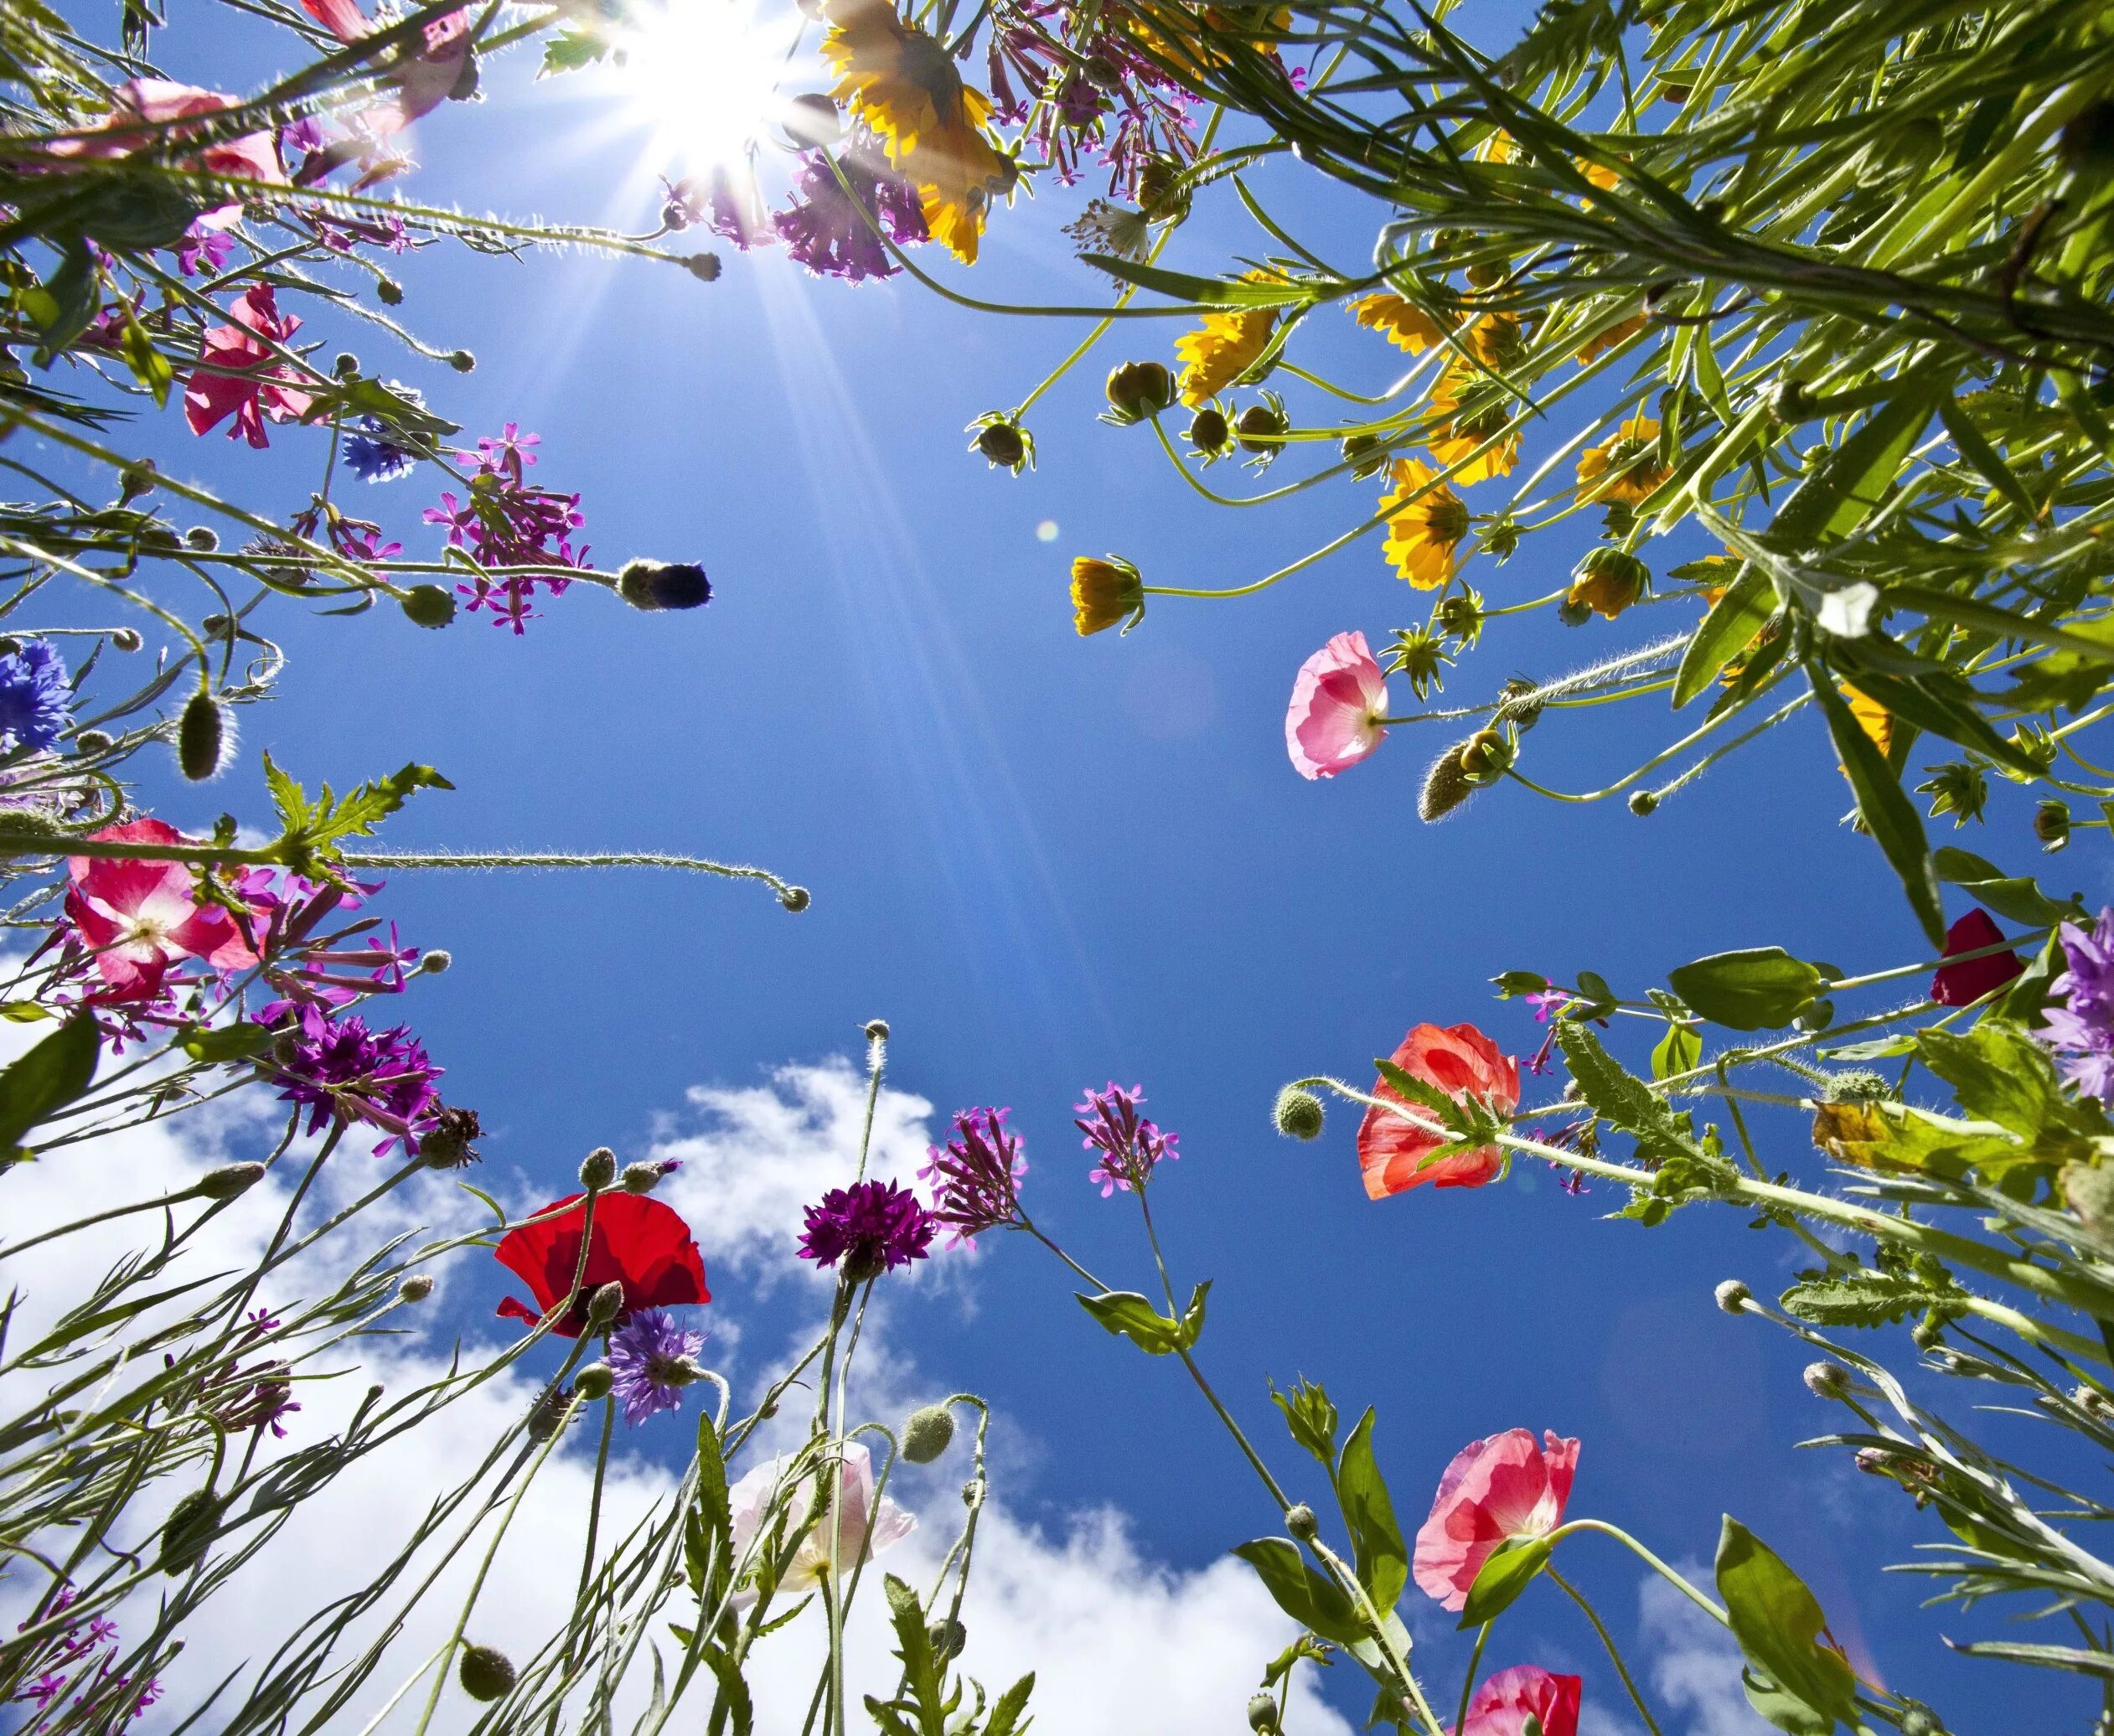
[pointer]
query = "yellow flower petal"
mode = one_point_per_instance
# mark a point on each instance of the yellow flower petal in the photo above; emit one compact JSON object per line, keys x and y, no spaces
{"x":1402,"y":322}
{"x":1426,"y":525}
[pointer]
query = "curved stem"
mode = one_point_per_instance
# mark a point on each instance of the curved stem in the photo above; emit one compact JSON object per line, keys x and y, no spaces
{"x":1607,"y":1640}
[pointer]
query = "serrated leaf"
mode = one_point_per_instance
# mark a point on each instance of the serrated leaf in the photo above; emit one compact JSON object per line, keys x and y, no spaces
{"x":914,"y":1647}
{"x":571,"y":51}
{"x":1617,"y":1096}
{"x":1893,"y":1136}
{"x":1005,"y":1719}
{"x":1754,"y":989}
{"x":1859,"y":1297}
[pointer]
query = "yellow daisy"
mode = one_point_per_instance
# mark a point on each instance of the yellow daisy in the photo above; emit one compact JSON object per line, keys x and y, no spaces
{"x":1455,"y":437}
{"x":1597,"y":347}
{"x":1497,"y":342}
{"x":1105,"y":592}
{"x":1426,"y":525}
{"x":1871,"y":717}
{"x":1625,"y":469}
{"x":1402,"y":322}
{"x":1225,"y":347}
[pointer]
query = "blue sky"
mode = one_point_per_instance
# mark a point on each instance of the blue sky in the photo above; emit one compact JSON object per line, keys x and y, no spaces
{"x":1049,"y":862}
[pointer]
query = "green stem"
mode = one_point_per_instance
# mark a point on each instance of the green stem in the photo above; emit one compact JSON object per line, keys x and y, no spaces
{"x":1607,"y":1640}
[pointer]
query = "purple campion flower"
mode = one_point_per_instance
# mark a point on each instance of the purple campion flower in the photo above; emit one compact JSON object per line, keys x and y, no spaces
{"x":507,"y":523}
{"x":832,"y":235}
{"x":873,"y":1226}
{"x":651,"y":1357}
{"x":2081,"y":1031}
{"x":975,"y":1176}
{"x":345,"y":1073}
{"x":1130,"y":1144}
{"x":36,"y":703}
{"x":200,"y":247}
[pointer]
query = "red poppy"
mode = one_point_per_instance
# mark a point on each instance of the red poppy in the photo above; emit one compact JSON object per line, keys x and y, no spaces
{"x":1956,"y":984}
{"x":638,"y":1243}
{"x":1462,"y":1062}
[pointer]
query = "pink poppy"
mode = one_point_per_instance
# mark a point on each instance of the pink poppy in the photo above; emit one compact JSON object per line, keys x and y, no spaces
{"x":250,"y":387}
{"x":1956,"y":984}
{"x":423,"y":81}
{"x":1462,"y":1062}
{"x":144,"y":107}
{"x":1503,"y":1704}
{"x":140,"y":917}
{"x":1496,"y":1490}
{"x":1337,"y":703}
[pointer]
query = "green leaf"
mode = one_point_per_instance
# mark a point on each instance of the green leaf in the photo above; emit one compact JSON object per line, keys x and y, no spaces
{"x":1786,"y":1711}
{"x":1318,"y":1605}
{"x":1855,"y":477}
{"x":54,"y":1073}
{"x":1005,"y":1719}
{"x":1368,"y":1515}
{"x":1887,"y":811}
{"x":1860,"y":1297}
{"x":1207,"y":291}
{"x":1128,"y":1315}
{"x":1503,"y":1577}
{"x":1778,"y":1623}
{"x":734,"y":1691}
{"x":1756,"y":988}
{"x":24,"y":1012}
{"x":1310,"y":1416}
{"x":1893,"y":1136}
{"x":1446,"y":1111}
{"x":224,"y":1042}
{"x":2014,"y":895}
{"x":1974,"y":447}
{"x":1726,"y":631}
{"x":1999,"y":1074}
{"x":1619,"y":1098}
{"x":148,"y":365}
{"x":571,"y":51}
{"x":914,"y":1646}
{"x":1680,"y":1051}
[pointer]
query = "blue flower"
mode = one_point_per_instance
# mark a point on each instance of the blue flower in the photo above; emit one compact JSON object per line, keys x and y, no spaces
{"x":652,"y":1359}
{"x":373,"y":459}
{"x":36,"y":704}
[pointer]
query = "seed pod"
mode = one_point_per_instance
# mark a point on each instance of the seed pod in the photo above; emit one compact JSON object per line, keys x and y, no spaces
{"x":928,"y":1434}
{"x":125,"y":639}
{"x":1137,"y":390}
{"x":189,"y":1530}
{"x":417,"y":1288}
{"x":202,"y":736}
{"x":947,"y":1639}
{"x":605,"y":1305}
{"x":598,"y":1168}
{"x":703,"y":266}
{"x":1298,"y":1115}
{"x":795,"y":899}
{"x":202,"y":538}
{"x":428,"y":606}
{"x":1446,"y":786}
{"x":594,"y":1381}
{"x":1300,"y":1521}
{"x":1262,"y":1715}
{"x":434,"y":962}
{"x":485,"y":1672}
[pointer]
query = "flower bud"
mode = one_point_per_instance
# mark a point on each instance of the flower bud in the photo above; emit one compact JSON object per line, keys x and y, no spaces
{"x":703,"y":266}
{"x":1209,"y":433}
{"x":605,"y":1305}
{"x":812,"y":120}
{"x":928,"y":1434}
{"x":462,"y":361}
{"x":795,"y":899}
{"x":1929,"y":1332}
{"x":1262,"y":1715}
{"x":2092,"y":1402}
{"x":433,"y":962}
{"x":598,"y":1168}
{"x":1643,"y":802}
{"x":189,"y":1530}
{"x":1917,"y":1719}
{"x":1138,"y":390}
{"x":947,"y":1639}
{"x":1734,"y":1296}
{"x":229,"y":1181}
{"x":1827,"y":1380}
{"x":876,"y":1031}
{"x":973,"y":1492}
{"x":1607,"y":582}
{"x":485,"y":1672}
{"x":1298,"y":1115}
{"x":1004,"y":443}
{"x":1261,"y":429}
{"x":1791,"y":401}
{"x":1300,"y":1521}
{"x":91,"y":741}
{"x":125,"y":639}
{"x":643,"y":1176}
{"x":1486,"y":757}
{"x":417,"y":1288}
{"x":428,"y":606}
{"x":345,"y":365}
{"x":1160,"y":196}
{"x":1573,"y":614}
{"x":390,"y":291}
{"x":2051,"y":825}
{"x":545,"y":1415}
{"x":1104,"y":592}
{"x":137,"y":478}
{"x":594,"y":1381}
{"x":1446,"y":786}
{"x":446,"y":1145}
{"x":202,"y":738}
{"x":655,"y":584}
{"x":202,"y":538}
{"x":1367,"y":454}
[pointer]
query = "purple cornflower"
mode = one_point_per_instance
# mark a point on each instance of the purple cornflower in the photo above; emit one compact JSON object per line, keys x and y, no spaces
{"x":873,"y":1226}
{"x":345,"y":1073}
{"x":975,"y":1176}
{"x":1130,"y":1144}
{"x":36,"y":704}
{"x":832,"y":235}
{"x":2081,"y":1031}
{"x":651,"y":1357}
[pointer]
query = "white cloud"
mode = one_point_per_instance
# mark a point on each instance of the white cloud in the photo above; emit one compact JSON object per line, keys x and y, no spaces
{"x":1696,"y":1661}
{"x":1116,"y":1638}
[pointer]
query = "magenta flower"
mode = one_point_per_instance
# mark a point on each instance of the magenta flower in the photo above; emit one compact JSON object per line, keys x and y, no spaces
{"x":1525,"y":1695}
{"x":1130,"y":1144}
{"x":344,"y":1072}
{"x":1337,"y":702}
{"x":871,"y":1227}
{"x":507,"y":523}
{"x":238,"y":374}
{"x":1971,"y":978}
{"x":975,"y":1176}
{"x":833,"y":235}
{"x":651,"y":1357}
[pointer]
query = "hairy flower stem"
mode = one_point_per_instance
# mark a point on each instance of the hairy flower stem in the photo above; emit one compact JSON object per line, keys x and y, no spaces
{"x":1679,"y":1583}
{"x":1607,"y":1640}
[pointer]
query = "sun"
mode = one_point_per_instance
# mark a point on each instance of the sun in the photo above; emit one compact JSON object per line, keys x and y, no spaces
{"x":704,"y":76}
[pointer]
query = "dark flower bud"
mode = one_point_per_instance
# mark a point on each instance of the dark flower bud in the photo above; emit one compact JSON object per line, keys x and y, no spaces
{"x":428,"y":604}
{"x":1734,"y":1296}
{"x":655,"y":584}
{"x":947,"y":1639}
{"x":346,"y":366}
{"x":1643,"y":802}
{"x":1261,"y":428}
{"x":417,"y":1288}
{"x":1489,"y":273}
{"x":1827,"y":1380}
{"x":1446,"y":786}
{"x":1792,"y":401}
{"x":796,"y":899}
{"x":390,"y":291}
{"x":1101,"y":72}
{"x":1262,"y":1715}
{"x":1919,"y":1720}
{"x":1001,"y":443}
{"x":137,"y":478}
{"x":202,"y":538}
{"x":1138,"y":390}
{"x":703,"y":266}
{"x":433,"y":962}
{"x":545,"y":1415}
{"x":1298,"y":1115}
{"x":1161,"y":195}
{"x":592,"y":1384}
{"x":928,"y":1434}
{"x":1486,"y":756}
{"x":202,"y":741}
{"x":464,"y":88}
{"x":446,"y":1145}
{"x":229,"y":1181}
{"x":125,"y":639}
{"x":605,"y":1305}
{"x":189,"y":1530}
{"x":1573,"y":614}
{"x":2051,"y":825}
{"x":598,"y":1168}
{"x":973,"y":1492}
{"x":812,"y":119}
{"x":485,"y":1672}
{"x":1300,"y":1521}
{"x":462,"y":361}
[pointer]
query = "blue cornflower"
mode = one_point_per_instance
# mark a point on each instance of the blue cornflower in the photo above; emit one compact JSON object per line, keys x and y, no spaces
{"x":652,"y":1359}
{"x":36,"y":704}
{"x":371,"y":458}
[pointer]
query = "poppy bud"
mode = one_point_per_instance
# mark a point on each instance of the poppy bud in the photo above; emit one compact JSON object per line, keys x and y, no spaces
{"x":1300,"y":1521}
{"x":1104,"y":592}
{"x":1298,"y":1115}
{"x":125,"y":639}
{"x":703,"y":266}
{"x":1607,"y":582}
{"x":1209,"y":434}
{"x":1643,"y":802}
{"x":1446,"y":786}
{"x":202,"y":538}
{"x":1262,"y":1715}
{"x":598,"y":1168}
{"x":1827,"y":1380}
{"x":605,"y":1305}
{"x":462,"y":361}
{"x":1486,"y":757}
{"x":594,"y":1381}
{"x":876,"y":1031}
{"x":795,"y":899}
{"x":2051,"y":825}
{"x":811,"y":118}
{"x":428,"y":606}
{"x":417,"y":1288}
{"x":947,"y":1639}
{"x":1260,"y":428}
{"x":1734,"y":1296}
{"x":1367,"y":454}
{"x":1791,"y":401}
{"x":1489,"y":273}
{"x":973,"y":1492}
{"x":389,"y":289}
{"x":928,"y":1434}
{"x":136,"y":479}
{"x":345,"y":365}
{"x":486,"y":1672}
{"x":1138,"y":390}
{"x":229,"y":1181}
{"x":433,"y":962}
{"x":201,"y":738}
{"x":654,"y":585}
{"x":643,"y":1176}
{"x":189,"y":1530}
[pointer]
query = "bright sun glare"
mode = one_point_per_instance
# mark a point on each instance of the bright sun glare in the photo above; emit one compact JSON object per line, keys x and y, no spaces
{"x":703,"y":74}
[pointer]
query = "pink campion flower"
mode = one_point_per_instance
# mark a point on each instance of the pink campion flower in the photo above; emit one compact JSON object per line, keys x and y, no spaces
{"x":239,"y":376}
{"x":1969,"y":980}
{"x":423,"y":80}
{"x":1337,"y":702}
{"x":1497,"y":1490}
{"x":1462,"y":1062}
{"x":143,"y":114}
{"x":1503,"y":1704}
{"x":139,"y":918}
